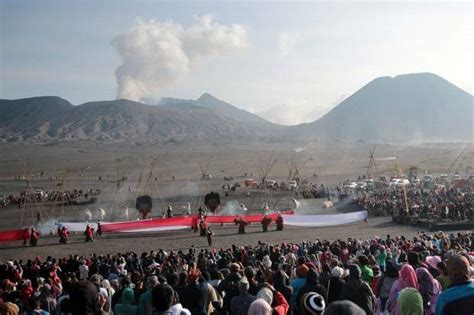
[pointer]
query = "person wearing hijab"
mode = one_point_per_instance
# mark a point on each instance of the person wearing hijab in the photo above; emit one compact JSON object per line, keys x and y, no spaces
{"x":357,"y":290}
{"x":429,"y":288}
{"x":273,"y":302}
{"x":385,"y":284}
{"x":459,"y":298}
{"x":410,"y":302}
{"x":260,"y":307}
{"x":126,"y":307}
{"x":407,"y":279}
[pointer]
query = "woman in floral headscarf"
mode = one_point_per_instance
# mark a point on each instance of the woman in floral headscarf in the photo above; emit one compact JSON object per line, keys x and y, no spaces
{"x":430,"y":289}
{"x":407,"y":279}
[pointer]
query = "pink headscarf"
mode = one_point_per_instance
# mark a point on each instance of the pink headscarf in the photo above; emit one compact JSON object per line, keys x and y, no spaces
{"x":408,"y":277}
{"x":260,"y":307}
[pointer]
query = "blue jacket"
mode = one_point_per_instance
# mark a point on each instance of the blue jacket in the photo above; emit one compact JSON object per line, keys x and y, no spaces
{"x":457,"y":300}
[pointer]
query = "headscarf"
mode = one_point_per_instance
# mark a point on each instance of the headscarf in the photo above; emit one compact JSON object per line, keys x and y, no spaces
{"x":408,"y":277}
{"x":426,"y":281}
{"x":266,"y":294}
{"x":410,"y":302}
{"x":260,"y":307}
{"x":337,"y":272}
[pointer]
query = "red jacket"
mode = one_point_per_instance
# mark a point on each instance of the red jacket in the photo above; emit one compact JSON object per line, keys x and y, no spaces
{"x":282,"y":306}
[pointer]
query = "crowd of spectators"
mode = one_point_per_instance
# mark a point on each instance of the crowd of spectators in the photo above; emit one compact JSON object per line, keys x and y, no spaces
{"x":27,"y":196}
{"x":441,"y":204}
{"x":429,"y":274}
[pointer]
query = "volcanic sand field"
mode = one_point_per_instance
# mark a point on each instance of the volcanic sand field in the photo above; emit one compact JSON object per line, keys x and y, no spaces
{"x":332,"y":162}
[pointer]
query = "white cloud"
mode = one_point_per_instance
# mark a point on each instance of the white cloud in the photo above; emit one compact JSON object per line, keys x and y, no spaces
{"x":286,"y":42}
{"x":156,"y":54}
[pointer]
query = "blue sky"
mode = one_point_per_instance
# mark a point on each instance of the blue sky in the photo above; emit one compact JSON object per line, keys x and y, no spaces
{"x":293,"y":64}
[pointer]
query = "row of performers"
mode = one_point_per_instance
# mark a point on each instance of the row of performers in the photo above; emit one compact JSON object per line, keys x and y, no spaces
{"x":32,"y":235}
{"x":202,"y":226}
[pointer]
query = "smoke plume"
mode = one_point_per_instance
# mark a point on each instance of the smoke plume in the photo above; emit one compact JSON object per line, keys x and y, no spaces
{"x":156,"y":54}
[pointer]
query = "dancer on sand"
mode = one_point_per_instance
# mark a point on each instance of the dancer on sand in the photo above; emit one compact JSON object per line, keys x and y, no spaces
{"x":34,"y":237}
{"x":210,"y":234}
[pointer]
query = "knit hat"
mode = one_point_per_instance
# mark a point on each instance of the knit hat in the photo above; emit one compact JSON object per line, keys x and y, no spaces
{"x":337,"y":272}
{"x":313,"y":303}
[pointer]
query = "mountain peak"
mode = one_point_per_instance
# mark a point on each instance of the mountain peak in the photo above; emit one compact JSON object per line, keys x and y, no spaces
{"x":207,"y":97}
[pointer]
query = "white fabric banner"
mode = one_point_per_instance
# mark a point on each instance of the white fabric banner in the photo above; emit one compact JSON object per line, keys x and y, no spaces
{"x":324,"y":219}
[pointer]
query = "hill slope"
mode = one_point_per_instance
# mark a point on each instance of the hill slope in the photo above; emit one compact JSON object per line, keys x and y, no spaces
{"x":53,"y":119}
{"x":407,"y":108}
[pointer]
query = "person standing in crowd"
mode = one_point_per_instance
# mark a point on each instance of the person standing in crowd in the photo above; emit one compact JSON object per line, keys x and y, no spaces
{"x":459,"y":298}
{"x":239,"y":305}
{"x":407,"y":279}
{"x":410,"y":302}
{"x":429,"y":288}
{"x":335,"y":284}
{"x":385,"y":284}
{"x":357,"y":290}
{"x":165,"y":301}
{"x":126,"y":307}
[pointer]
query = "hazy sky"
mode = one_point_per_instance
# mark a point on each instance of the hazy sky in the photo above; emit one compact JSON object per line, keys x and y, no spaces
{"x":288,"y":62}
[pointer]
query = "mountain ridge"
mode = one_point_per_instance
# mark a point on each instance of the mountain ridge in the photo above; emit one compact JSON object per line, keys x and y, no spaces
{"x":419,"y":107}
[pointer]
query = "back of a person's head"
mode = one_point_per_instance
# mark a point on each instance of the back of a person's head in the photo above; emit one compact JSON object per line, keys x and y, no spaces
{"x":458,"y":269}
{"x":344,"y":308}
{"x":243,"y":285}
{"x":162,"y":297}
{"x":363,"y":260}
{"x":83,"y":298}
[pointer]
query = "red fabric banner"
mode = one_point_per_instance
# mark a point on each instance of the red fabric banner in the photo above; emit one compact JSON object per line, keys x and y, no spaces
{"x":182,"y":221}
{"x":11,"y":235}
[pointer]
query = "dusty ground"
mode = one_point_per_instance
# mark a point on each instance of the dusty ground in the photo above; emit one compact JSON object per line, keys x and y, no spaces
{"x":225,"y":236}
{"x":332,"y":163}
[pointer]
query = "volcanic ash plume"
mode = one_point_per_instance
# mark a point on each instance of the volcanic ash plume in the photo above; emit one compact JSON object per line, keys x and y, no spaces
{"x":156,"y":53}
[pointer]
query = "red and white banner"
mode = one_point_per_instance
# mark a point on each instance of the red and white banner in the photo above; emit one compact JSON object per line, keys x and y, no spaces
{"x":177,"y":223}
